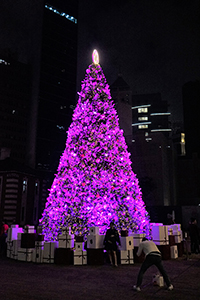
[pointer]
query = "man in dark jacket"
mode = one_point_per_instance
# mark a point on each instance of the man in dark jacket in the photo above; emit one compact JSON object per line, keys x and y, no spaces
{"x":194,"y":235}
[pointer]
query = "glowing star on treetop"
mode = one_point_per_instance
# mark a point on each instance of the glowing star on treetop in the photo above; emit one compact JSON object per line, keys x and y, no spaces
{"x":95,"y":57}
{"x":94,"y":184}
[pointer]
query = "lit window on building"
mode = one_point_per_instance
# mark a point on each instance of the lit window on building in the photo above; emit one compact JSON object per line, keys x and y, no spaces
{"x":182,"y":137}
{"x":36,"y":188}
{"x":183,"y":152}
{"x":143,"y":119}
{"x":148,"y":139}
{"x":161,"y":114}
{"x":157,"y":130}
{"x":24,"y":186}
{"x":142,"y":126}
{"x":143,"y":110}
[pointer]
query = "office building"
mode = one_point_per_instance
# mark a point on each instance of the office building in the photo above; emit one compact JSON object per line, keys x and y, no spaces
{"x":57,"y":91}
{"x":151,"y":146}
{"x":150,"y":115}
{"x":15,"y":94}
{"x":38,"y":89}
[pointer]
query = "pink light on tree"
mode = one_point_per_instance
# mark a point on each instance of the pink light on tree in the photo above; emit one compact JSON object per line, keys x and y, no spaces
{"x":94,"y":183}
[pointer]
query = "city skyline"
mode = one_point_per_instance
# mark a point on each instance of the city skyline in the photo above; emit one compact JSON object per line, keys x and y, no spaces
{"x":154,"y":45}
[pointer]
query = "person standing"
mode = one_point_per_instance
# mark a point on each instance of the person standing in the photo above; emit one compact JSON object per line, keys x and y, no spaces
{"x":152,"y":257}
{"x":194,"y":236}
{"x":3,"y":236}
{"x":111,"y":240}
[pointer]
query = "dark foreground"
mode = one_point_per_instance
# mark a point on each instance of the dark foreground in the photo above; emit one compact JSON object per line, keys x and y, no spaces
{"x":21,"y":281}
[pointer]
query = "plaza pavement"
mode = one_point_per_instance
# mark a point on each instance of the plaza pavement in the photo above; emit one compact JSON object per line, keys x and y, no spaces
{"x":28,"y":281}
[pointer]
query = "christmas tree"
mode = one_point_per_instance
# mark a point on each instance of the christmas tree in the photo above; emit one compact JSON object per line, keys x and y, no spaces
{"x":94,"y":184}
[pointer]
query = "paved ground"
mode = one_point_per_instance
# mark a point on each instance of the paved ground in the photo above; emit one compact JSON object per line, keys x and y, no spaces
{"x":28,"y":281}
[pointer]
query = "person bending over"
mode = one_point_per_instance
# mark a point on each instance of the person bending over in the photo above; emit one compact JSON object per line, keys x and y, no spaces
{"x":152,"y":257}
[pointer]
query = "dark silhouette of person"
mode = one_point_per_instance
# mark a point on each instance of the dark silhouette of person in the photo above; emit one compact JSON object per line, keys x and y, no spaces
{"x":152,"y":257}
{"x":194,"y":235}
{"x":3,"y":236}
{"x":111,"y":240}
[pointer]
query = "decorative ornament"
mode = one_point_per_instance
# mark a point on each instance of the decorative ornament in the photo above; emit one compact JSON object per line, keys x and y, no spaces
{"x":95,"y":57}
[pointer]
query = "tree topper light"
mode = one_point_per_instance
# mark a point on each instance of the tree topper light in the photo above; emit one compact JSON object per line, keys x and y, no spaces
{"x":95,"y":57}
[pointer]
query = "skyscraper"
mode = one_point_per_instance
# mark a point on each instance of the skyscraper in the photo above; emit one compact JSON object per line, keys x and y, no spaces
{"x":57,"y":81}
{"x":151,"y":147}
{"x":38,"y":66}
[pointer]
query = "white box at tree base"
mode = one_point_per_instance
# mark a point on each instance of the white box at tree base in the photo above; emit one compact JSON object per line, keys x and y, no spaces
{"x":170,"y":231}
{"x":174,"y":252}
{"x":66,"y":241}
{"x":177,"y":236}
{"x":49,"y":252}
{"x":175,"y":227}
{"x":160,"y":235}
{"x":79,"y":246}
{"x":19,"y":235}
{"x":66,"y":230}
{"x":16,"y":246}
{"x":126,"y":243}
{"x":126,"y":257}
{"x":137,"y":238}
{"x":29,"y":229}
{"x":38,"y":253}
{"x":93,"y":230}
{"x":158,"y":280}
{"x":25,"y":254}
{"x":80,"y":257}
{"x":13,"y":232}
{"x":95,"y":241}
{"x":9,"y":249}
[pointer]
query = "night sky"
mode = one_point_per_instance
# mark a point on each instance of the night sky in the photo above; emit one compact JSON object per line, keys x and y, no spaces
{"x":155,"y":45}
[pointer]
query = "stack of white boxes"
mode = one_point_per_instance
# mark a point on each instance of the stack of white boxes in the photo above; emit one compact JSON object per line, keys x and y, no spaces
{"x":66,"y":239}
{"x":29,"y":229}
{"x":177,"y":232}
{"x":25,"y":254}
{"x":160,"y":234}
{"x":178,"y":236}
{"x":14,"y":241}
{"x":38,"y":252}
{"x":80,"y":254}
{"x":49,"y":252}
{"x":126,"y":250}
{"x":174,"y":252}
{"x":94,"y":239}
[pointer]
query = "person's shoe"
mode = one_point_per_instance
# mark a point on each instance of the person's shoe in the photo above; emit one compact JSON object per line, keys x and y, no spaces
{"x":136,"y":288}
{"x":116,"y":266}
{"x":170,"y":288}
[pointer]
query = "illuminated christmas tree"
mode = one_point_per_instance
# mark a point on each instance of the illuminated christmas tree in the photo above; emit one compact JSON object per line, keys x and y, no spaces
{"x":94,"y":184}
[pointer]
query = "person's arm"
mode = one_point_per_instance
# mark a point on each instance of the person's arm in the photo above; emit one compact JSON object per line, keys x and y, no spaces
{"x":140,"y":249}
{"x":106,"y":238}
{"x":118,"y":238}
